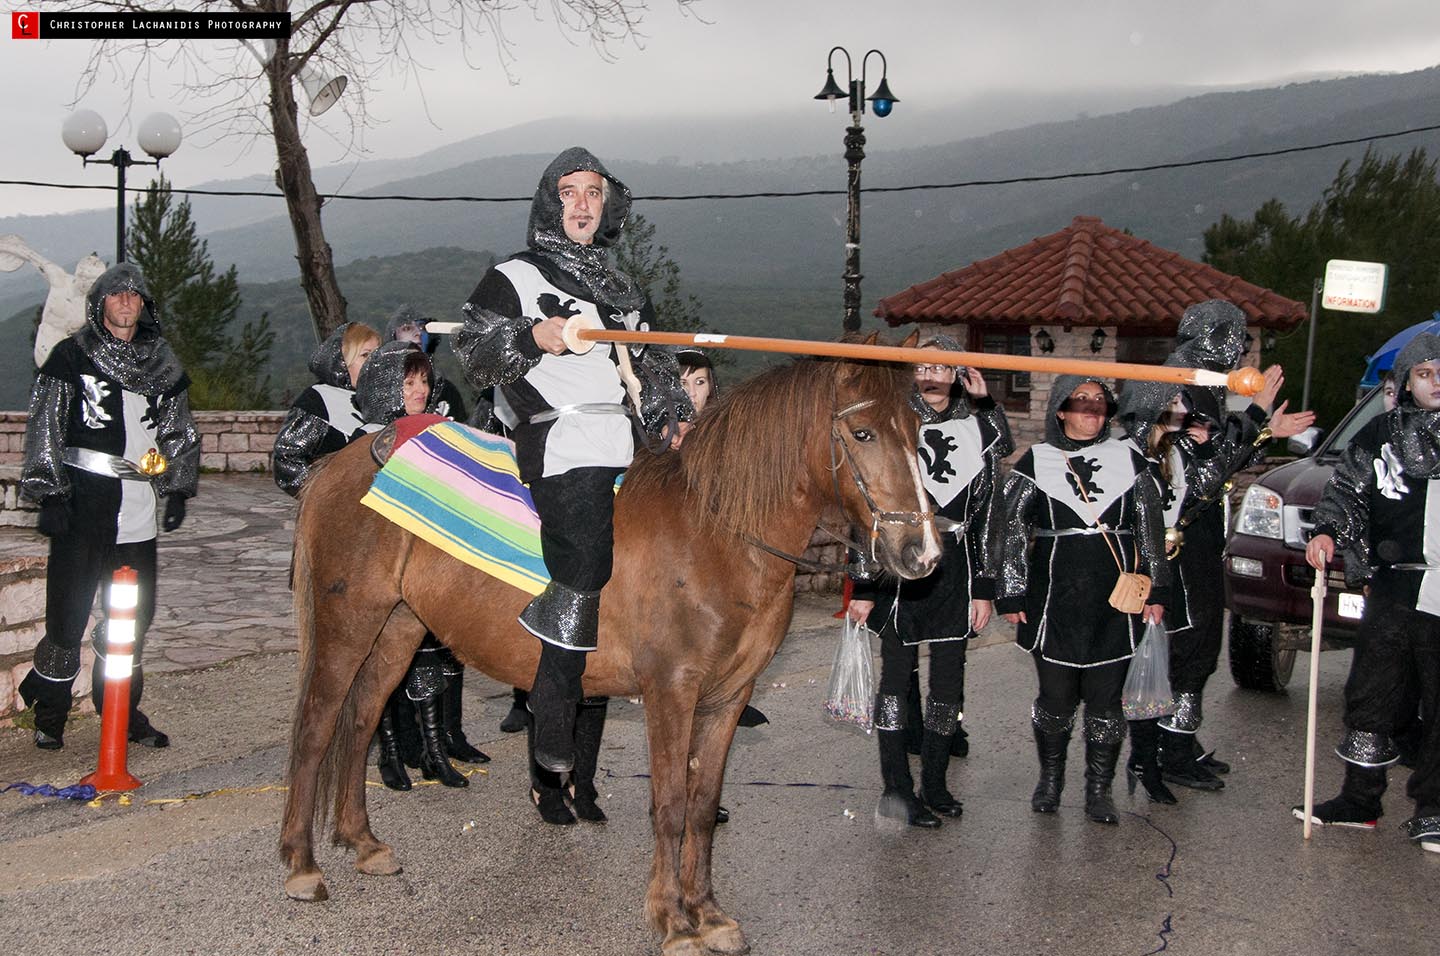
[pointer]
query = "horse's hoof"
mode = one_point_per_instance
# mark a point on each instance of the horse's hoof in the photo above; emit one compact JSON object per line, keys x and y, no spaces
{"x":378,"y":862}
{"x":725,"y":938}
{"x":683,"y":944}
{"x":307,"y":888}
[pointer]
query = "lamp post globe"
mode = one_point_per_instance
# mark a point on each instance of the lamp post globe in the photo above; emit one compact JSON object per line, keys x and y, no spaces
{"x":160,"y":135}
{"x":84,"y":132}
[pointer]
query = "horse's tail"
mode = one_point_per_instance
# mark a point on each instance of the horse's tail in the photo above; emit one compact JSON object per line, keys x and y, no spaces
{"x":302,"y":586}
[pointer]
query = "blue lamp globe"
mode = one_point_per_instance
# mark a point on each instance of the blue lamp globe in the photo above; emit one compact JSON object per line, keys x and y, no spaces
{"x":882,"y":107}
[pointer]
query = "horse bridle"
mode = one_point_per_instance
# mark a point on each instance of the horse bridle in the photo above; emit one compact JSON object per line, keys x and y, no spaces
{"x":840,"y":455}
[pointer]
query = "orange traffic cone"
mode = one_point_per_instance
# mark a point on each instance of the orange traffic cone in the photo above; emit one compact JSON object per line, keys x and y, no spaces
{"x":119,"y":661}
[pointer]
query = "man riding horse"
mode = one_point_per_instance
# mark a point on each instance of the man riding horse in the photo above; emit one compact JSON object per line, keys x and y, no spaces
{"x":568,"y":416}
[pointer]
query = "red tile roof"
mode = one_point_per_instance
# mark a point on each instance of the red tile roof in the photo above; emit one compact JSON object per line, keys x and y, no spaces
{"x":1086,"y":274}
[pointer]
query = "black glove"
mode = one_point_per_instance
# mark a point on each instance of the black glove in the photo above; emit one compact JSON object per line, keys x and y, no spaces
{"x":54,"y":517}
{"x":174,"y":512}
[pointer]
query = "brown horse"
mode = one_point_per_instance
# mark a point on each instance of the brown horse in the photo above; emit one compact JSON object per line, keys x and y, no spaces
{"x":693,"y":613}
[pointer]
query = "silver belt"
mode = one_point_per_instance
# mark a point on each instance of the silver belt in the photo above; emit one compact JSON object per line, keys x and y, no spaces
{"x":99,"y":463}
{"x":584,"y":408}
{"x":1067,"y":532}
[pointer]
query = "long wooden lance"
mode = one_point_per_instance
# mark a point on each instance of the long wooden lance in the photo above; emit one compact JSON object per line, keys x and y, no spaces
{"x":582,"y":332}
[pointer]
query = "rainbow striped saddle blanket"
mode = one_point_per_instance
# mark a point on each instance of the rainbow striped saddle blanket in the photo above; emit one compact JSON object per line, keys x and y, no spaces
{"x":460,"y":490}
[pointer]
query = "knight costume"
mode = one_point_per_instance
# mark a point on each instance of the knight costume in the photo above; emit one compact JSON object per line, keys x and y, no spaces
{"x":960,"y":449}
{"x":1382,"y":508}
{"x":99,"y":404}
{"x":408,"y":325}
{"x":1073,"y":511}
{"x":323,"y":419}
{"x":567,"y":414}
{"x":1211,"y":336}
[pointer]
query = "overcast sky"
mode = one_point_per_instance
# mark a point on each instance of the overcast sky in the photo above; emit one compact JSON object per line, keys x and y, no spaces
{"x":729,"y":56}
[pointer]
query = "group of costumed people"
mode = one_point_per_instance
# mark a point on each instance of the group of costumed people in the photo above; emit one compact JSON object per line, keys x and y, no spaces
{"x":1117,"y":487}
{"x":1133,"y":486}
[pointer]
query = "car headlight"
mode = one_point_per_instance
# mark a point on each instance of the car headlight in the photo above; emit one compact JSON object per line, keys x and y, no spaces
{"x":1260,"y":513}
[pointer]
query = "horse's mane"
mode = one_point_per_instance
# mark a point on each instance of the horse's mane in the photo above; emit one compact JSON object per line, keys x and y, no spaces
{"x":745,"y":457}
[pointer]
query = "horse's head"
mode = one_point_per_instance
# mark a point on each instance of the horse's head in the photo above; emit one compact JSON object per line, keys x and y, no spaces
{"x":875,"y":466}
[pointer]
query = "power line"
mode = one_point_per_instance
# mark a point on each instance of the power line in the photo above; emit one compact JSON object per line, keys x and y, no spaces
{"x":963,"y":184}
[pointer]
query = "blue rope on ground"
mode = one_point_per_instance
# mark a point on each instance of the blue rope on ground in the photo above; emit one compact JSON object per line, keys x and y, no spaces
{"x":79,"y":791}
{"x":1163,"y":875}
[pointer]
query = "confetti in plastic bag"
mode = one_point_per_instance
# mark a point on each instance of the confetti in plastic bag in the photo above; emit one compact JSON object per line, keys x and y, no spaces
{"x":851,"y":699}
{"x":1147,"y":684}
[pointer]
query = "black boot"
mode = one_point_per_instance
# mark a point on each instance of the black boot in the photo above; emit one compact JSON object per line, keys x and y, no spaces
{"x":589,"y":728}
{"x":934,"y":762}
{"x":899,"y":802}
{"x":519,"y":716}
{"x":450,"y":708}
{"x":1052,"y":742}
{"x":960,"y":743}
{"x":1207,"y":758}
{"x":1358,"y":805}
{"x":392,"y":768}
{"x":49,"y":702}
{"x":1179,"y":763}
{"x":941,"y":721}
{"x":553,"y":703}
{"x":1144,"y":764}
{"x":546,"y":788}
{"x":407,"y":728}
{"x":434,"y":764}
{"x":1104,"y":736}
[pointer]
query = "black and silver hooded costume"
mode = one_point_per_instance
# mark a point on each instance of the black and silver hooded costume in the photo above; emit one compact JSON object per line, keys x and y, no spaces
{"x":323,"y":419}
{"x":1382,"y":508}
{"x":99,"y":403}
{"x":541,"y":395}
{"x":1063,"y":583}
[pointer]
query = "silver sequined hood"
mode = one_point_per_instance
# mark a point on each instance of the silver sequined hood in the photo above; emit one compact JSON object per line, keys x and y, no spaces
{"x":145,"y":364}
{"x":1060,"y":390}
{"x":1211,"y":336}
{"x":590,"y":264}
{"x":380,"y":393}
{"x":959,"y":399}
{"x":1416,"y":434}
{"x":327,"y":362}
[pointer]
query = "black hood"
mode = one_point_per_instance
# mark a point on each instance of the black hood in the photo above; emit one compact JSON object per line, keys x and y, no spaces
{"x":409,"y":315}
{"x":586,"y":266}
{"x":327,"y":362}
{"x":145,"y":364}
{"x":959,"y":406}
{"x":1060,"y":390}
{"x":1424,"y":347}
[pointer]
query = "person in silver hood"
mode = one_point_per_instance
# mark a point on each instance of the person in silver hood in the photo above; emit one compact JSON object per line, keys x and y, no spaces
{"x":964,"y":436}
{"x":109,"y":435}
{"x":1381,"y":512}
{"x":1211,"y":336}
{"x":324,"y":418}
{"x":571,"y":423}
{"x":408,"y":325}
{"x":1079,"y":508}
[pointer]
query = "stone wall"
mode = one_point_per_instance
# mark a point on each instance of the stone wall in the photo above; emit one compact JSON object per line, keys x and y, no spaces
{"x":229,"y":441}
{"x":22,"y":622}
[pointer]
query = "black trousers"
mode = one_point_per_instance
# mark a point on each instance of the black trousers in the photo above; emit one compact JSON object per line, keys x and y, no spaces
{"x":79,"y":563}
{"x":577,"y":525}
{"x":1062,"y":688}
{"x":1195,"y":652}
{"x":947,"y":669}
{"x":1397,"y":659}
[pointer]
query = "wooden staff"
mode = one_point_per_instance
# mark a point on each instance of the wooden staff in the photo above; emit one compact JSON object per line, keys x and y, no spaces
{"x":581,"y":333}
{"x":1317,"y":622}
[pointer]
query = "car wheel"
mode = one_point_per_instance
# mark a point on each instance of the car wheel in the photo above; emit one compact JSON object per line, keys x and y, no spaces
{"x":1256,"y":660}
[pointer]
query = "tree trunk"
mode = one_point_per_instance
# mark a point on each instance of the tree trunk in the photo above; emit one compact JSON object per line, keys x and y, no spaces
{"x":292,"y":175}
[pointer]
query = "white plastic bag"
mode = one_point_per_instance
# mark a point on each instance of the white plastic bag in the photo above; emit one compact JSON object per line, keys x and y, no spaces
{"x":851,"y":699}
{"x":1147,"y":684}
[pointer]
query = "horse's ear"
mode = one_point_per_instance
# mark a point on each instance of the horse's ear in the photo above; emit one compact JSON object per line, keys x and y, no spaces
{"x":911,"y":340}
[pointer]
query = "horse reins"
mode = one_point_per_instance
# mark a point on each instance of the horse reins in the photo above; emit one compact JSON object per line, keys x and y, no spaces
{"x":913,"y":519}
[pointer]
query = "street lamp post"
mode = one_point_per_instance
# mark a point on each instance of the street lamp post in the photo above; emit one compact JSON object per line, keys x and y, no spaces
{"x":883,"y":101}
{"x":84,"y":133}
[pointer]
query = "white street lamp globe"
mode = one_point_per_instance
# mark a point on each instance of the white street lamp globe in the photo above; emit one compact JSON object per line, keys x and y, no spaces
{"x":159,"y":135}
{"x":84,"y":132}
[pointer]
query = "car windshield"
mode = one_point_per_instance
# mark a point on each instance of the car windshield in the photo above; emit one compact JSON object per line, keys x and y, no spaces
{"x":1370,"y":406}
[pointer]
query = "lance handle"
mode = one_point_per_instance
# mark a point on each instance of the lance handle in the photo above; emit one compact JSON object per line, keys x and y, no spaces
{"x":1317,"y":623}
{"x":580,"y":336}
